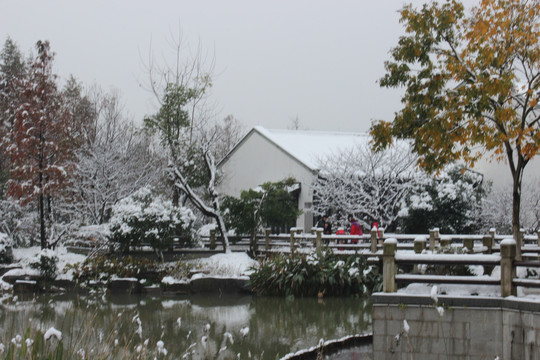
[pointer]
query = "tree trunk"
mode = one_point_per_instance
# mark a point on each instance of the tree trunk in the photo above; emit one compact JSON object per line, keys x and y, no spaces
{"x":43,"y":236}
{"x":516,"y":205}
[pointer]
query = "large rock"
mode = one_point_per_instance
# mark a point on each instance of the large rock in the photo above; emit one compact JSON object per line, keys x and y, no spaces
{"x":219,"y":285}
{"x":125,"y":286}
{"x":25,"y":287}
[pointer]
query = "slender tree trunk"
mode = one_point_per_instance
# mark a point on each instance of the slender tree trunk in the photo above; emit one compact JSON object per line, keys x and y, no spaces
{"x":42,"y":221}
{"x":43,"y":236}
{"x":516,"y":206}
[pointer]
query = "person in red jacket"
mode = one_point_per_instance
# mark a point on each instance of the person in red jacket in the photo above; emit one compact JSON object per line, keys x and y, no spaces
{"x":355,"y":229}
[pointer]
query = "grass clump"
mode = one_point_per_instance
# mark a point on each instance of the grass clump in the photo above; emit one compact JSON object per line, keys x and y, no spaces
{"x":319,"y":274}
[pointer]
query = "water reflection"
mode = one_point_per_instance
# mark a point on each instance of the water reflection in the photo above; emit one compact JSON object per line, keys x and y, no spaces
{"x":195,"y":327}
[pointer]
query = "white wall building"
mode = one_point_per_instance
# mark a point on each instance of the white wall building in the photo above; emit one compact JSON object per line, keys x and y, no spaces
{"x":272,"y":155}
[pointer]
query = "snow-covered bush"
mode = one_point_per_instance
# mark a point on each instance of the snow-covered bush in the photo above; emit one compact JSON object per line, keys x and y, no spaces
{"x":368,"y":185}
{"x":19,"y":222}
{"x":46,"y":262}
{"x":450,"y":201}
{"x":6,"y":249}
{"x":148,"y":218}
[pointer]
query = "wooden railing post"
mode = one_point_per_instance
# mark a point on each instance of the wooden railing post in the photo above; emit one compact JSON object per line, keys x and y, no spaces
{"x":538,"y":238}
{"x":292,"y":246}
{"x":419,"y":246}
{"x":318,"y":239}
{"x":212,"y":239}
{"x":508,"y":270}
{"x":267,"y":238}
{"x":468,"y":244}
{"x":487,"y":241}
{"x":389,"y":265}
{"x":373,"y":240}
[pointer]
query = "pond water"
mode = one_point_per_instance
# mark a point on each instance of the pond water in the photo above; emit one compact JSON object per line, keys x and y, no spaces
{"x":194,"y":327}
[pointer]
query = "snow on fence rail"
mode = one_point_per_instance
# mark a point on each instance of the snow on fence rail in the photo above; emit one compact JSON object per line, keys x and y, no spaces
{"x":486,"y":250}
{"x":506,"y":259}
{"x":488,"y":243}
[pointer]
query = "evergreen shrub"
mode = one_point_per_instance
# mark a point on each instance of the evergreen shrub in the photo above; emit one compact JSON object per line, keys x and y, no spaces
{"x":146,"y":218}
{"x":6,"y":249}
{"x":318,"y":274}
{"x":46,"y":264}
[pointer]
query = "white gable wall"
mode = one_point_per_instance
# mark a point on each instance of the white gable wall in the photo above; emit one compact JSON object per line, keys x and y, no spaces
{"x":256,"y":161}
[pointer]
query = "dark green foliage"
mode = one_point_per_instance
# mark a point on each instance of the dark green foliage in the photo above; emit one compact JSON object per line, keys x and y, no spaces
{"x":46,"y":266}
{"x":272,"y":205}
{"x":147,"y":218}
{"x":450,"y":202}
{"x":103,"y":268}
{"x":320,"y":274}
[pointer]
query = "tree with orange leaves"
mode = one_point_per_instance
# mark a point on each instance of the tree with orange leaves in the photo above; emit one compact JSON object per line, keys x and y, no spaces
{"x":40,"y":140}
{"x":472,"y":84}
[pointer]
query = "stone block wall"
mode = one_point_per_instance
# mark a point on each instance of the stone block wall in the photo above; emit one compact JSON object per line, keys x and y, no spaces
{"x":469,"y":328}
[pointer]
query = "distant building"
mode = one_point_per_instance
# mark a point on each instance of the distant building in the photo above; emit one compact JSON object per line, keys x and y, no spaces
{"x":265,"y":155}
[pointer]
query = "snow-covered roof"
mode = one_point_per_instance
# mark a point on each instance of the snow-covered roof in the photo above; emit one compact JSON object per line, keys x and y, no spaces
{"x":309,"y":146}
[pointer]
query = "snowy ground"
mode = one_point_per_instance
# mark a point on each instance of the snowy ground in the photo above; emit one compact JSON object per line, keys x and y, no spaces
{"x":233,"y":265}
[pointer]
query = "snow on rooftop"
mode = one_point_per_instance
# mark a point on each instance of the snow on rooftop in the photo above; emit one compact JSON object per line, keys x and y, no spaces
{"x":309,"y":146}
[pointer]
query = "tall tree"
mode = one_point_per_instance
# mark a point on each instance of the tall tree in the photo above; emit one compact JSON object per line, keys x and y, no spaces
{"x":40,"y":142}
{"x":369,"y":186}
{"x":114,"y":161}
{"x":181,"y":121}
{"x":12,"y":70}
{"x":472,"y":83}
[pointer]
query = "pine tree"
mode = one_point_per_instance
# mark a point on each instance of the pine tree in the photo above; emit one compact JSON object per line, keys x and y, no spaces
{"x":41,"y":141}
{"x":12,"y":69}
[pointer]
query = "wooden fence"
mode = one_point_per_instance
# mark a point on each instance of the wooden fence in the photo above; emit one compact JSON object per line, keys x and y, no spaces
{"x":372,"y":243}
{"x":394,"y":250}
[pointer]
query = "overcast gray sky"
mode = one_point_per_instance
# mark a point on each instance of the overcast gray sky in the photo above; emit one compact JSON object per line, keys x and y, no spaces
{"x":274,"y":60}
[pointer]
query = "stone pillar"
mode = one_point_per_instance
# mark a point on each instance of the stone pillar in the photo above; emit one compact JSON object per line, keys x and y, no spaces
{"x":487,"y":241}
{"x":519,"y":243}
{"x":212,"y":239}
{"x":419,"y":246}
{"x":508,"y":270}
{"x":373,"y":240}
{"x":293,"y":248}
{"x":492,"y":233}
{"x":389,"y":265}
{"x":318,"y":239}
{"x":432,"y":239}
{"x":267,"y":238}
{"x":468,"y":244}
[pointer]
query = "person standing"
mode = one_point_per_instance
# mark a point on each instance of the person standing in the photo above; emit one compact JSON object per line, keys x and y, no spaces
{"x":355,"y":229}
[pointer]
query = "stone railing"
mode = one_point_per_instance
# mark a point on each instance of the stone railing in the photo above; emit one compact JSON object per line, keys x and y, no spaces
{"x":507,"y":259}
